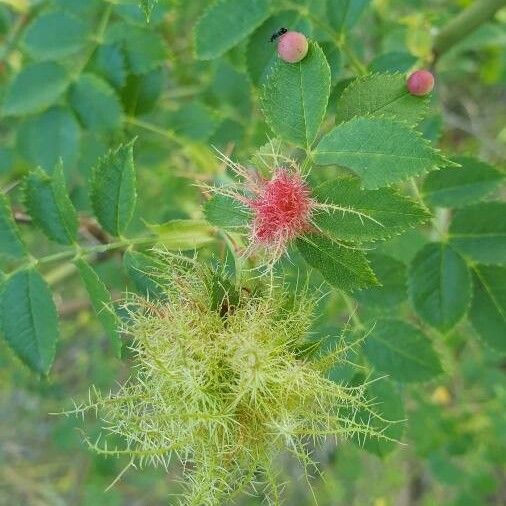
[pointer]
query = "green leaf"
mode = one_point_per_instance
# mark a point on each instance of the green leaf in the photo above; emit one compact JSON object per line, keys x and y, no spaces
{"x":391,"y":273}
{"x":400,"y":350}
{"x":226,"y":212}
{"x":488,"y":310}
{"x":479,"y":232}
{"x":143,"y":271}
{"x":387,"y":403}
{"x":225,"y":23}
{"x":28,"y":319}
{"x":380,"y":95}
{"x":193,"y":120}
{"x":49,"y":205}
{"x":342,"y":266}
{"x":457,"y":187}
{"x":184,"y":234}
{"x":101,"y":302}
{"x":109,"y":62}
{"x":344,"y":14}
{"x":55,"y":35}
{"x":362,"y":215}
{"x":261,"y":55}
{"x":10,"y":243}
{"x":113,"y":189}
{"x":439,"y":286}
{"x":37,"y":86}
{"x":45,"y":138}
{"x":381,"y":151}
{"x":295,"y":97}
{"x":96,"y":103}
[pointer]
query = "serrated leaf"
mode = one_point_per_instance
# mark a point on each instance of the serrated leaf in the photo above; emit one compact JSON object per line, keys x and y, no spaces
{"x":261,"y":55}
{"x":391,"y":273}
{"x":145,"y":49}
{"x":344,"y":14}
{"x":394,"y":61}
{"x":488,"y":310}
{"x":439,"y":286}
{"x":295,"y":97}
{"x":342,"y":266}
{"x":44,"y":139}
{"x":28,"y":319}
{"x":49,"y":205}
{"x":11,"y":245}
{"x":402,"y":351}
{"x":380,"y":95}
{"x":143,"y":271}
{"x":225,"y":212}
{"x":457,"y":187}
{"x":55,"y":35}
{"x":479,"y":232}
{"x":37,"y":86}
{"x":96,"y":103}
{"x":381,"y":151}
{"x":101,"y":302}
{"x":113,"y":189}
{"x":184,"y":234}
{"x":362,"y":215}
{"x":225,"y":23}
{"x":147,"y":6}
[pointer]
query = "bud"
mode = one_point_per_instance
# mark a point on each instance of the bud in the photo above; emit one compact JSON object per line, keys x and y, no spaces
{"x":420,"y":83}
{"x":292,"y":47}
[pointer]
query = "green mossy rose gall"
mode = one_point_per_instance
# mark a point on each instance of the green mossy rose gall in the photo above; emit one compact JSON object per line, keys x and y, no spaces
{"x":224,"y":380}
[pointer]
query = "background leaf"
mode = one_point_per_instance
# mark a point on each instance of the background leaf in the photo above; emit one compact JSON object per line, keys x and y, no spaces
{"x":457,"y":187}
{"x":101,"y":302}
{"x":96,"y":103}
{"x":55,"y":35}
{"x":344,"y":14}
{"x":28,"y":319}
{"x":142,"y":269}
{"x":37,"y":86}
{"x":343,"y":267}
{"x":10,"y":243}
{"x":49,"y":205}
{"x":381,"y":95}
{"x":113,"y":189}
{"x":372,"y":214}
{"x":488,"y":310}
{"x":439,"y":286}
{"x":295,"y":97}
{"x":380,"y":151}
{"x":225,"y":23}
{"x":45,"y":138}
{"x":400,"y":350}
{"x":479,"y":232}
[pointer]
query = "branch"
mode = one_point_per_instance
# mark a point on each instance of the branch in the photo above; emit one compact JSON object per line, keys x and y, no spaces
{"x":464,"y":23}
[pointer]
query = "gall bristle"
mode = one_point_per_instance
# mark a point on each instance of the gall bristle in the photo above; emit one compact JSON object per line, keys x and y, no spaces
{"x":282,"y":209}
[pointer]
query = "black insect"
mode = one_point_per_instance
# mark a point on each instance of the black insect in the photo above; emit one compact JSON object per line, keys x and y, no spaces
{"x":278,"y":34}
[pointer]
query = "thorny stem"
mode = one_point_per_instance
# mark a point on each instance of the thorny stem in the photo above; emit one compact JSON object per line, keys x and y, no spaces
{"x":464,"y":23}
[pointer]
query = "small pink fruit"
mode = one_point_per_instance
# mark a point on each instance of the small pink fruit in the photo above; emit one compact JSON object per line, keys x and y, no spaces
{"x":292,"y":47}
{"x":420,"y":83}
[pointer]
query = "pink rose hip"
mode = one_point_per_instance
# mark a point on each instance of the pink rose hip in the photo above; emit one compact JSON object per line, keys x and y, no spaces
{"x":420,"y":83}
{"x":292,"y":47}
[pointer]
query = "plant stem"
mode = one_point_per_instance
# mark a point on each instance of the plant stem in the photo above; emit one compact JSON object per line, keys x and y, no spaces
{"x":464,"y":23}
